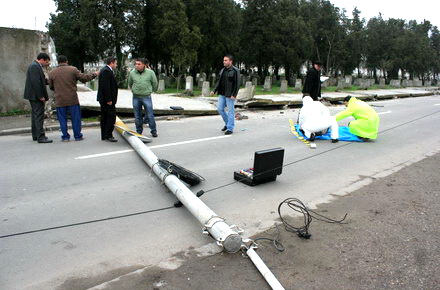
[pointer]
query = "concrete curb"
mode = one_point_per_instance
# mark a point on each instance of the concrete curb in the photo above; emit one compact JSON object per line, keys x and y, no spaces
{"x":51,"y":128}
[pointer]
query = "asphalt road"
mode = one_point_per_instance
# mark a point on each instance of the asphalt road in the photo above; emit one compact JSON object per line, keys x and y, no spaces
{"x":48,"y":185}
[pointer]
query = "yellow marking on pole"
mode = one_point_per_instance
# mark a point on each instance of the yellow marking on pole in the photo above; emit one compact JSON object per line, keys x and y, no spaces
{"x":121,"y":128}
{"x":302,"y":139}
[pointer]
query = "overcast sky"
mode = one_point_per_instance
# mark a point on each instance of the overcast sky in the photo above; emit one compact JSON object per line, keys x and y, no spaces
{"x":34,"y":14}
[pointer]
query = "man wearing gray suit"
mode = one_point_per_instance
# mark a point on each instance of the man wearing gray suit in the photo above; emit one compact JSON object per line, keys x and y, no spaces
{"x":35,"y":91}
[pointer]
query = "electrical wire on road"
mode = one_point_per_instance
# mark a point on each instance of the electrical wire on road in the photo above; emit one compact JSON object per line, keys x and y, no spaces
{"x":87,"y":222}
{"x":205,"y":191}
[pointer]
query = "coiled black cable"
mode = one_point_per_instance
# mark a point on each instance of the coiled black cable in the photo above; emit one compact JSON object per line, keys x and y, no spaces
{"x":308,"y":214}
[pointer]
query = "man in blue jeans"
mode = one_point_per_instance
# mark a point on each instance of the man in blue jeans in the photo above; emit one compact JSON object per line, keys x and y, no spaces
{"x":143,"y":82}
{"x":62,"y":80}
{"x":227,"y":88}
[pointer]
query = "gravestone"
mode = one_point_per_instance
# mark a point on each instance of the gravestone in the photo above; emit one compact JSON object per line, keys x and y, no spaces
{"x":255,"y":81}
{"x":205,"y":89}
{"x":357,"y":82}
{"x":341,"y":84}
{"x":382,"y":83}
{"x":267,"y":83}
{"x":363,"y":84}
{"x":200,"y":82}
{"x":161,"y":86}
{"x":189,"y":84}
{"x":213,"y":79}
{"x":406,"y":83}
{"x":167,"y":80}
{"x":348,"y":80}
{"x":417,"y":83}
{"x":283,"y":87}
{"x":395,"y":83}
{"x":247,"y":93}
{"x":298,"y":84}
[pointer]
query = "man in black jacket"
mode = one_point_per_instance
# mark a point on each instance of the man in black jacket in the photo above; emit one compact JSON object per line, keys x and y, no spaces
{"x":227,"y":88}
{"x":312,"y":85}
{"x":107,"y":98}
{"x":35,"y":91}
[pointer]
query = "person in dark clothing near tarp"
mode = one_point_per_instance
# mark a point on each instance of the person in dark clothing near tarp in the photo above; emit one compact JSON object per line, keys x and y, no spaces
{"x":227,"y":88}
{"x":107,"y":98}
{"x":35,"y":91}
{"x":312,"y":84}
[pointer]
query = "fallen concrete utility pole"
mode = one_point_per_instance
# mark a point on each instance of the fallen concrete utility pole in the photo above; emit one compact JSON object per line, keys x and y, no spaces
{"x":229,"y":239}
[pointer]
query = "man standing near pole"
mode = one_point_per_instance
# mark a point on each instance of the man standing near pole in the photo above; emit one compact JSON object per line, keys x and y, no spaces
{"x":62,"y":81}
{"x":142,"y":81}
{"x":35,"y":91}
{"x":312,"y":84}
{"x":227,"y":88}
{"x":107,"y":98}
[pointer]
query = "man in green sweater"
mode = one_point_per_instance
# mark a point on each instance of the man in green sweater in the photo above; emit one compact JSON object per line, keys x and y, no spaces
{"x":142,"y":81}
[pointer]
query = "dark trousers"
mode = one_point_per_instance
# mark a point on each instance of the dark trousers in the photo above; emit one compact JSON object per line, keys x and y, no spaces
{"x":75,"y":114}
{"x":108,"y":119}
{"x":37,"y":117}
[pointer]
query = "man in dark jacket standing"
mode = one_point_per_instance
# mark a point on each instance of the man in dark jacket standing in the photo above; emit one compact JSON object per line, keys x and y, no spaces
{"x":62,"y":80}
{"x":312,"y":85}
{"x":227,"y":88}
{"x":35,"y":91}
{"x":107,"y":98}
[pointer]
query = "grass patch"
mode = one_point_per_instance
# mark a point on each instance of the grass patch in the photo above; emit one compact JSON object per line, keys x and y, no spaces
{"x":15,"y":113}
{"x":90,"y":119}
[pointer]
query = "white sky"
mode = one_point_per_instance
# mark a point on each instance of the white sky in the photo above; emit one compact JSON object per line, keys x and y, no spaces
{"x":404,"y":9}
{"x":33,"y":14}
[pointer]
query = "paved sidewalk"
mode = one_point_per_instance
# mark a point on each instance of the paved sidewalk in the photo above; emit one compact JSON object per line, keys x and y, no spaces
{"x":391,"y":241}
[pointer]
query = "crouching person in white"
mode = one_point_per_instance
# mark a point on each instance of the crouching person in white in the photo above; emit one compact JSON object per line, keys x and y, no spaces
{"x":315,"y":119}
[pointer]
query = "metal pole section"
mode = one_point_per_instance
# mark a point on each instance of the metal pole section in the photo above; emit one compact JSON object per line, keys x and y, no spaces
{"x":264,"y":270}
{"x":216,"y":226}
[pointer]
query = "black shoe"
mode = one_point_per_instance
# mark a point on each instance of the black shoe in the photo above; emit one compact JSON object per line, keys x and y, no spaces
{"x":111,"y":139}
{"x":335,"y":140}
{"x":34,"y":138}
{"x":45,"y":140}
{"x":312,"y":137}
{"x":228,"y":132}
{"x":224,"y":128}
{"x":154,"y":134}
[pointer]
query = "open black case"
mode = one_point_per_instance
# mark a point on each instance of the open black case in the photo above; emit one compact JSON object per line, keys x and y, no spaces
{"x":267,"y":165}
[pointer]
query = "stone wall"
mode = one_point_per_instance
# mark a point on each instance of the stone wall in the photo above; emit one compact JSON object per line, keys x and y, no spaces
{"x":18,"y":48}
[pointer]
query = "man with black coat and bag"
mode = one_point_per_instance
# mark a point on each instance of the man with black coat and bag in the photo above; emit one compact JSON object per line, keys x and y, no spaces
{"x":312,"y":84}
{"x":107,"y":98}
{"x":35,"y":91}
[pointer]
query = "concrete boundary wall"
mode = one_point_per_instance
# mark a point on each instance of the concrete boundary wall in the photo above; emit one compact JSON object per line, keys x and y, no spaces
{"x":18,"y":48}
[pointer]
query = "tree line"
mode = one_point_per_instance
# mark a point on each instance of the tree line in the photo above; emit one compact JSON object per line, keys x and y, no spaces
{"x":191,"y":36}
